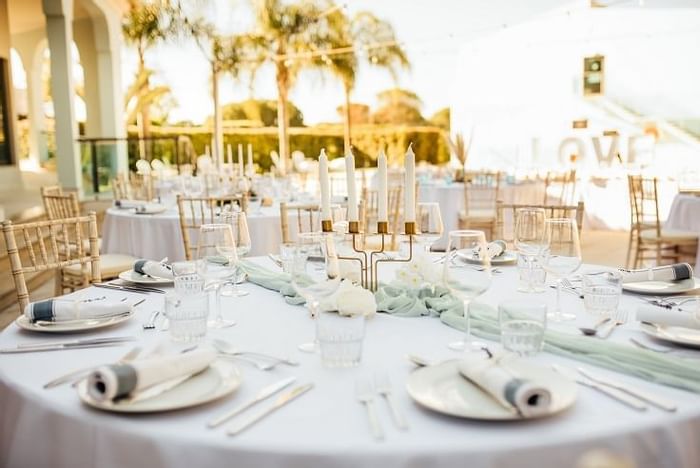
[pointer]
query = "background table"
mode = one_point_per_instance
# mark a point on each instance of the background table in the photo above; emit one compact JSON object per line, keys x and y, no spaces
{"x":327,"y":426}
{"x":158,"y":236}
{"x":684,"y":215}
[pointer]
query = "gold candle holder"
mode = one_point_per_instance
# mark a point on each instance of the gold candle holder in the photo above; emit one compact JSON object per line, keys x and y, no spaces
{"x":327,"y":225}
{"x":354,"y":227}
{"x":410,"y":228}
{"x":382,"y":227}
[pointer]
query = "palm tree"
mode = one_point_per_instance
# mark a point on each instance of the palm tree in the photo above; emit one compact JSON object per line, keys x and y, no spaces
{"x":374,"y":40}
{"x":144,"y":26}
{"x":295,"y":36}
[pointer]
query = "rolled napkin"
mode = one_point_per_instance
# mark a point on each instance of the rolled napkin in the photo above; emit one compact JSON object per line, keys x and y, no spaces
{"x":675,"y":272}
{"x":671,"y":318}
{"x":154,"y":269}
{"x":120,"y":380}
{"x":128,"y":204}
{"x":494,"y":249}
{"x":525,"y":396}
{"x":59,"y":310}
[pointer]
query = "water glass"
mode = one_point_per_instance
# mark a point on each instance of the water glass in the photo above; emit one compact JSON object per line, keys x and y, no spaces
{"x":602,"y":291}
{"x":183,"y":268}
{"x":186,"y":285}
{"x":531,"y":274}
{"x":187,"y":317}
{"x":287,"y":256}
{"x":340,"y":338}
{"x":522,"y":326}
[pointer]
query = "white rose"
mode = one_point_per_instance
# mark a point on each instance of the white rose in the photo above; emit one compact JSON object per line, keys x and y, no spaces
{"x":356,"y":301}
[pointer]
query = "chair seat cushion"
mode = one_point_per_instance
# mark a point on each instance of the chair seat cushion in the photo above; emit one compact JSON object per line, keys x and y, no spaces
{"x":671,"y":235}
{"x":110,"y":265}
{"x":478,"y":216}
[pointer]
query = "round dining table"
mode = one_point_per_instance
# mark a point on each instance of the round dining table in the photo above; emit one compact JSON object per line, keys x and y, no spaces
{"x":157,"y":236}
{"x":684,"y":215}
{"x":327,"y":426}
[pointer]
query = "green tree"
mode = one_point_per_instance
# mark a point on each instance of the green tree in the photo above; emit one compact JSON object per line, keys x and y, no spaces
{"x":441,"y":119}
{"x":374,"y":41}
{"x":294,"y":36}
{"x":262,"y":111}
{"x":398,"y":106}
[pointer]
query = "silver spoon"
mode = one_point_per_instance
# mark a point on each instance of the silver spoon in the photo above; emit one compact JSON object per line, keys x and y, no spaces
{"x":594,"y":330}
{"x":227,"y":348}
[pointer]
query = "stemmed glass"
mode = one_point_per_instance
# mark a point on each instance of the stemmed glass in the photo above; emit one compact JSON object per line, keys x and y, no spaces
{"x":313,"y":280}
{"x":429,"y":223}
{"x":241,"y":238}
{"x":467,"y":282}
{"x":529,"y":239}
{"x":216,"y":257}
{"x":561,"y":257}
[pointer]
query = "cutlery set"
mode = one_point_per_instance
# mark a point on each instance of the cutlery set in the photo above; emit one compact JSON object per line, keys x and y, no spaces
{"x":634,"y":398}
{"x":365,"y":392}
{"x":72,"y":344}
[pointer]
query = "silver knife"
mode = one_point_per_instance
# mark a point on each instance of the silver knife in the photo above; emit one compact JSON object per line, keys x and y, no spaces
{"x":119,"y":288}
{"x":614,"y":393}
{"x":264,"y":393}
{"x":281,"y":401}
{"x":65,"y":378}
{"x":86,"y":341}
{"x":649,"y":397}
{"x":59,"y":347}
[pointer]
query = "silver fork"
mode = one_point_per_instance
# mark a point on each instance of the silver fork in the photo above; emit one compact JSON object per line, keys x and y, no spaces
{"x":620,"y":318}
{"x":383,"y":385}
{"x":365,"y":395}
{"x":151,"y":324}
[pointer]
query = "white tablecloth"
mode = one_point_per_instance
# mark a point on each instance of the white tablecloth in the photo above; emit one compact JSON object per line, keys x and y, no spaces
{"x":327,"y":426}
{"x":684,"y":215}
{"x":159,"y":236}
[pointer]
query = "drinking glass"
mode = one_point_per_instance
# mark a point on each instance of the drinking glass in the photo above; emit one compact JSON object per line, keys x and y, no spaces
{"x":340,"y":338}
{"x":315,"y":280}
{"x":467,"y":282}
{"x":187,"y":317}
{"x":241,"y":238}
{"x":429,"y":224}
{"x":561,"y":257}
{"x":522,"y":326}
{"x":529,"y":240}
{"x":601,"y":292}
{"x":216,"y":257}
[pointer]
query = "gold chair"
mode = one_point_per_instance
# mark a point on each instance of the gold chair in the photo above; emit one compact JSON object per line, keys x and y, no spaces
{"x":563,"y":185}
{"x":481,"y":190}
{"x":60,"y":247}
{"x":308,"y":219}
{"x":507,"y":213}
{"x":133,"y":187}
{"x":648,"y":239}
{"x":58,"y":204}
{"x":195,"y":211}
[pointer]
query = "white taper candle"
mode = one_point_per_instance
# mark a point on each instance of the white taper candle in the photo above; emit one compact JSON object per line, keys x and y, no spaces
{"x":409,"y":208}
{"x":240,"y":159}
{"x":352,"y":188}
{"x":383,"y":192}
{"x":229,"y":154}
{"x":250,"y":160}
{"x":325,"y":186}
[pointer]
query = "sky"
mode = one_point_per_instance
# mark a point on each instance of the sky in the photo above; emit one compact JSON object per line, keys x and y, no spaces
{"x":431,"y":31}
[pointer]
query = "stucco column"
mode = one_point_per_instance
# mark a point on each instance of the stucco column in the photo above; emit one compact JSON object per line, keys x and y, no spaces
{"x":59,"y":32}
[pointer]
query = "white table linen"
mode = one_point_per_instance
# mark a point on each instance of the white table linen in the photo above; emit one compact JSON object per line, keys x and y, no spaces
{"x":327,"y":426}
{"x":684,"y":215}
{"x":158,"y":236}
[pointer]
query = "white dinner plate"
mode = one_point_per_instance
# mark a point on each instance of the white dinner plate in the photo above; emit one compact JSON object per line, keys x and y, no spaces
{"x":72,"y":326}
{"x":151,"y":208}
{"x":659,"y":288}
{"x":133,"y":277}
{"x":506,"y":258}
{"x":677,"y":335}
{"x":441,"y":388}
{"x":218,"y":380}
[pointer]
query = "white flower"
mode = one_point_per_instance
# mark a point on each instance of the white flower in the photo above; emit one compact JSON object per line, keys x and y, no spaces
{"x":356,"y":301}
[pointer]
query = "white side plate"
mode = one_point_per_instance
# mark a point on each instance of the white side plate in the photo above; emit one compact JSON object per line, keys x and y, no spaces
{"x":217,"y":381}
{"x":506,"y":258}
{"x":133,"y":277}
{"x":662,"y":287}
{"x":442,"y":389}
{"x":677,"y":335}
{"x":71,"y":326}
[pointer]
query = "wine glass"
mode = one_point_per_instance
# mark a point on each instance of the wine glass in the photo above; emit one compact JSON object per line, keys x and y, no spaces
{"x":529,"y":240}
{"x":429,"y":223}
{"x":216,"y":257}
{"x":561,"y":256}
{"x":467,"y":282}
{"x":312,"y":279}
{"x":241,"y":238}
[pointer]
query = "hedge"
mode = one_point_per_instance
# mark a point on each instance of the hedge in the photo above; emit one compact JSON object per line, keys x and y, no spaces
{"x":428,"y":142}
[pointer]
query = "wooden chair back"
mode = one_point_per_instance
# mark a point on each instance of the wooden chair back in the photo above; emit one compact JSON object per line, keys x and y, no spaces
{"x":644,"y":204}
{"x":370,"y":210}
{"x":63,"y":205}
{"x":481,"y":191}
{"x":51,"y":190}
{"x":308,"y":219}
{"x":60,"y":244}
{"x":507,"y":214}
{"x":195,"y":211}
{"x":133,"y":187}
{"x":561,"y":186}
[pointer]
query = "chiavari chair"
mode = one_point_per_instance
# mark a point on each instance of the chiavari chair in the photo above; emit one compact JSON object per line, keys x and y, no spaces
{"x":561,"y":186}
{"x":481,"y":191}
{"x":507,"y":215}
{"x":307,"y":219}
